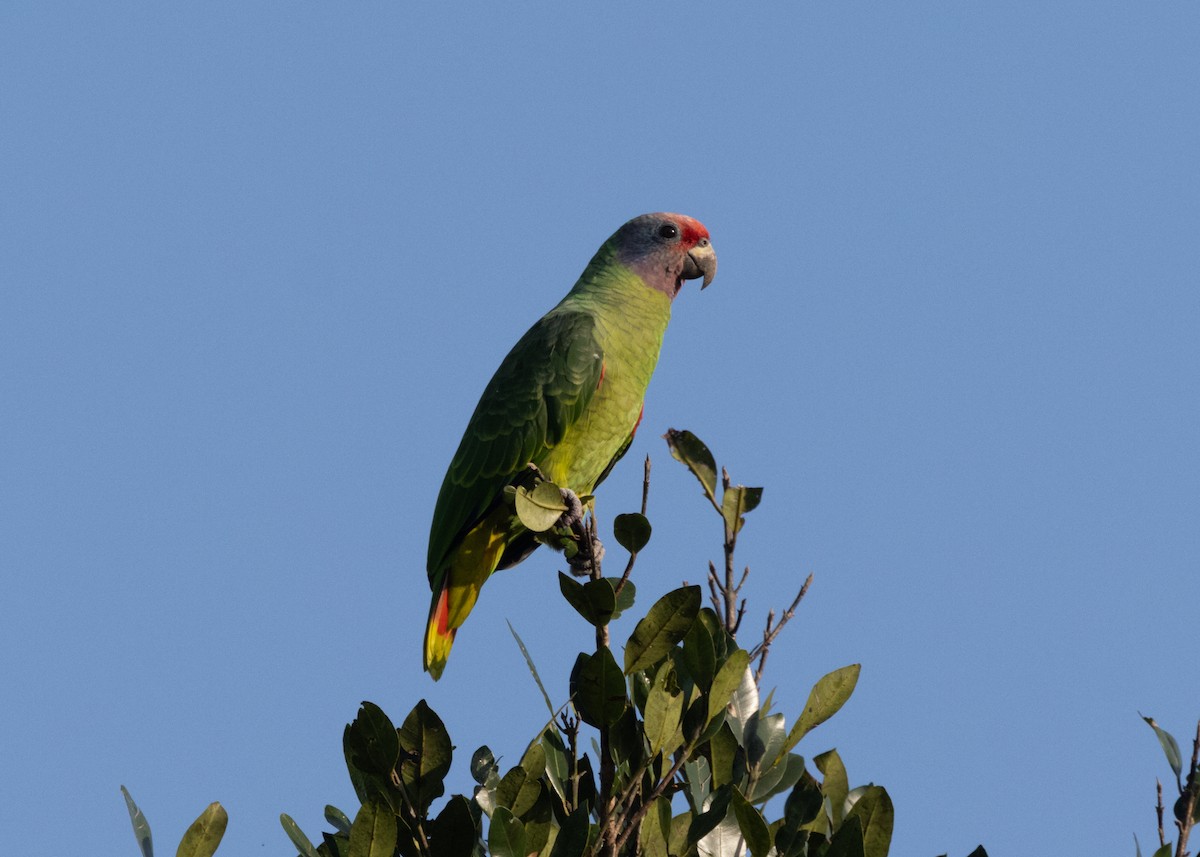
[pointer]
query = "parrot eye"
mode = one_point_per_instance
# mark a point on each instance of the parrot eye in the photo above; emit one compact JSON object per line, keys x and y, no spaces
{"x":668,"y":231}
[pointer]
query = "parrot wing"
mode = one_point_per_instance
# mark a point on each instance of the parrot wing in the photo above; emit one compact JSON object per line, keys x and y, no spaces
{"x":540,"y":390}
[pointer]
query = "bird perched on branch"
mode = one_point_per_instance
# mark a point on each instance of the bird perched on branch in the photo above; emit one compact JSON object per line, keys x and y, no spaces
{"x":563,"y":407}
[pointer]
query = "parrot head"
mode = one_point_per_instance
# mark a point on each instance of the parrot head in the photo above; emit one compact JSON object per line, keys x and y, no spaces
{"x":666,"y":249}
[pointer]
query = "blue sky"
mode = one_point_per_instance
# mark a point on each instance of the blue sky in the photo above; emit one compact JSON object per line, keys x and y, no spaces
{"x":259,"y":259}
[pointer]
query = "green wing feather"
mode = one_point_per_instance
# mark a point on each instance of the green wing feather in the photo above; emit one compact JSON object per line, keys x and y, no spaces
{"x":540,"y":390}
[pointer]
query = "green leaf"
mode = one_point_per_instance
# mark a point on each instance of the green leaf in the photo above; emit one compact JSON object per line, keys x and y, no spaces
{"x":203,"y":837}
{"x":1165,"y":851}
{"x":723,"y":644}
{"x":573,"y":836}
{"x":141,"y":827}
{"x":303,"y":843}
{"x":506,"y":835}
{"x":847,"y":841}
{"x":802,"y":807}
{"x":532,"y":669}
{"x":744,"y":702}
{"x":534,"y":760}
{"x":595,"y":601}
{"x":664,"y":708}
{"x":1169,"y":745}
{"x":371,"y":742}
{"x":486,"y":798}
{"x":557,"y":767}
{"x":453,"y":832}
{"x":753,"y":826}
{"x":483,"y":766}
{"x":764,"y":739}
{"x":736,"y":502}
{"x":836,"y":785}
{"x":337,"y":818}
{"x":627,"y":741}
{"x":698,"y":781}
{"x":804,"y":803}
{"x":876,"y":816}
{"x":427,"y":754}
{"x":662,"y":627}
{"x":827,"y":696}
{"x":539,"y":509}
{"x":707,"y":821}
{"x":537,"y":821}
{"x":518,"y":791}
{"x":632,"y":531}
{"x":699,"y":654}
{"x":790,"y":770}
{"x":334,"y":845}
{"x":373,"y":833}
{"x":654,"y":836}
{"x":598,"y":688}
{"x":587,"y":782}
{"x":724,"y":840}
{"x":690,"y":450}
{"x":695,"y":721}
{"x":724,"y":749}
{"x":361,"y":782}
{"x":764,"y":780}
{"x":624,"y":598}
{"x":639,"y":689}
{"x":727,"y":680}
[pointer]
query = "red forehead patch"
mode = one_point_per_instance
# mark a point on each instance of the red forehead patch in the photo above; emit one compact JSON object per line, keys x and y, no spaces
{"x":691,"y":230}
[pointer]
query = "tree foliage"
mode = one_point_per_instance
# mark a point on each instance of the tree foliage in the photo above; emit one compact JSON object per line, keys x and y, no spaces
{"x":1185,"y":810}
{"x":669,"y":749}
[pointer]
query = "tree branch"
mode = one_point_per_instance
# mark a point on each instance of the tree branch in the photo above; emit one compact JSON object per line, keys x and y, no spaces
{"x":1189,"y":804}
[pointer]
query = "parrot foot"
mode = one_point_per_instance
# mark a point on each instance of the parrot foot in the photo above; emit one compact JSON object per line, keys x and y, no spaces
{"x":585,"y":561}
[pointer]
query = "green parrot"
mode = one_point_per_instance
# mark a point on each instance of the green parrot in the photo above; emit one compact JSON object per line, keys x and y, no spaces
{"x":567,"y":399}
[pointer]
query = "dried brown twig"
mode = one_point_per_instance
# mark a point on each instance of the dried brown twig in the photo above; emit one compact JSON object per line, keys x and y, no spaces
{"x":770,"y":633}
{"x":1158,"y":806}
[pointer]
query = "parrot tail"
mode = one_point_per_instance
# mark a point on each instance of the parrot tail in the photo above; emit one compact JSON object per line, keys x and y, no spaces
{"x":456,"y":589}
{"x":439,"y":636}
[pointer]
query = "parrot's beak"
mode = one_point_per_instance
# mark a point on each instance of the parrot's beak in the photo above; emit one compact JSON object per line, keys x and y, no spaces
{"x":701,"y":262}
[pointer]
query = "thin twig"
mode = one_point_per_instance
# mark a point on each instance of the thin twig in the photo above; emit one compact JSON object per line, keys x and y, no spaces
{"x":728,"y":590}
{"x":645,"y":484}
{"x":634,"y":821}
{"x":413,"y":816}
{"x":1162,"y":836}
{"x":713,"y":588}
{"x":625,"y":576}
{"x":571,"y":727}
{"x":624,"y":803}
{"x":738,"y":622}
{"x":770,"y":633}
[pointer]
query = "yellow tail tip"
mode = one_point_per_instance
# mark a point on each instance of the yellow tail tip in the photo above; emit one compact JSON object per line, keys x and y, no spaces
{"x":438,"y":638}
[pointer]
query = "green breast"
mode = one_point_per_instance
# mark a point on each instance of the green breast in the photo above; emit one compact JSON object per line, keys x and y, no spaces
{"x":630,"y":322}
